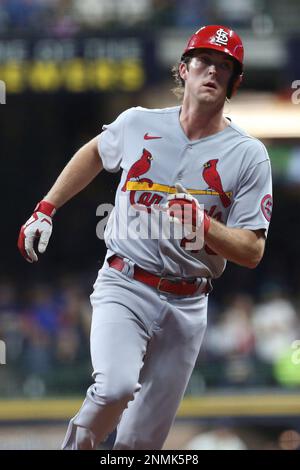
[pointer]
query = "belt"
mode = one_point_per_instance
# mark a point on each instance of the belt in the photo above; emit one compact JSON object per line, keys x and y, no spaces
{"x":163,"y":284}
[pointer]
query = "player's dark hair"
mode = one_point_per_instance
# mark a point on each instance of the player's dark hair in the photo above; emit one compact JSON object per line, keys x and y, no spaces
{"x":237,"y":71}
{"x":178,"y":90}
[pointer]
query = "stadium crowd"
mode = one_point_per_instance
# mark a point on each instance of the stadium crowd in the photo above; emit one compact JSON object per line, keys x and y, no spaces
{"x":65,"y":17}
{"x":46,"y":332}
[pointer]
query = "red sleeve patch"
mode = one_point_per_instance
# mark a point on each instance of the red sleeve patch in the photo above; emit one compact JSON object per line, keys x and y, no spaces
{"x":266,"y":206}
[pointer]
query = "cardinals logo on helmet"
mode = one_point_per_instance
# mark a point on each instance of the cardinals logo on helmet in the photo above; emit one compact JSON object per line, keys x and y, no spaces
{"x":221,"y":37}
{"x":212,"y":178}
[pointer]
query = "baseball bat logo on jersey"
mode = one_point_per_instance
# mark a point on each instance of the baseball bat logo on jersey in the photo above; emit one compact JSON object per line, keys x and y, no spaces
{"x":212,"y":178}
{"x":139,"y":168}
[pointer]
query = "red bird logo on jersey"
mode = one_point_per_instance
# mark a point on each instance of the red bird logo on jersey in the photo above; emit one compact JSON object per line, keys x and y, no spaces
{"x":140,"y":167}
{"x":212,"y":178}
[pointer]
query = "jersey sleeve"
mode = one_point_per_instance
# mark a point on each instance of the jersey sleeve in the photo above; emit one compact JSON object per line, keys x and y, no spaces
{"x":252,"y":206}
{"x":110,"y":142}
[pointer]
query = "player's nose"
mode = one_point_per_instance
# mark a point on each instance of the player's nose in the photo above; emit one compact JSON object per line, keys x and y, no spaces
{"x":212,"y":70}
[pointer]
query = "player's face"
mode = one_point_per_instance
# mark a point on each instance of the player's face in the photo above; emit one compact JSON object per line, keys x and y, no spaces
{"x":207,"y":76}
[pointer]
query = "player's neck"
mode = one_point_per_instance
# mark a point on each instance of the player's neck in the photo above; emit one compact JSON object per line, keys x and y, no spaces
{"x":198,"y":122}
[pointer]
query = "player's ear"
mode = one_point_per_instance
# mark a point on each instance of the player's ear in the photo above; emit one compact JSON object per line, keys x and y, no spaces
{"x":183,"y":69}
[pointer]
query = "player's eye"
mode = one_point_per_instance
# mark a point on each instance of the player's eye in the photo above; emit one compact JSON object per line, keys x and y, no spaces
{"x":205,"y":59}
{"x":226,"y":65}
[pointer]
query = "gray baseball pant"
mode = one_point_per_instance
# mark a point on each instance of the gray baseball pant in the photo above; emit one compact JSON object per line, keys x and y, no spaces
{"x":144,"y":345}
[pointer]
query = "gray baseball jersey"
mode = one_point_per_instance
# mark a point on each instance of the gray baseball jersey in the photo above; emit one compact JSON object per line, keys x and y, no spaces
{"x":228,"y":172}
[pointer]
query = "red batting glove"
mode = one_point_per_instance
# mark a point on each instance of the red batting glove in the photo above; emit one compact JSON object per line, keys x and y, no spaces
{"x":37,"y":227}
{"x":183,"y":208}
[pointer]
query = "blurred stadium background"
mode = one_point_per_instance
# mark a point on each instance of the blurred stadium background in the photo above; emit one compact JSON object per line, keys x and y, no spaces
{"x":69,"y":66}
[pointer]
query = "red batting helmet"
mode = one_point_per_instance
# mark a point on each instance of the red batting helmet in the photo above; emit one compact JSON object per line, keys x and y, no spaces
{"x":223,"y":39}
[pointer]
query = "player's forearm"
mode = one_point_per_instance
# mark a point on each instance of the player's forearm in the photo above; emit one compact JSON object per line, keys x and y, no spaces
{"x":78,"y":173}
{"x":243,"y":247}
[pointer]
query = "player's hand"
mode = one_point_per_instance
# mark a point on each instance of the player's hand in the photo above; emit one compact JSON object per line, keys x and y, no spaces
{"x":38,"y":227}
{"x":184,"y":209}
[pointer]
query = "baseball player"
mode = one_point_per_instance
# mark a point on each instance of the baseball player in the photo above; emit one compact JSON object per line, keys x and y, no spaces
{"x":150,"y":297}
